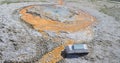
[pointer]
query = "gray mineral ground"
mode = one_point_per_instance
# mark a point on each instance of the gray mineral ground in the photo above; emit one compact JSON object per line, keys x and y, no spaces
{"x":59,"y":13}
{"x":19,"y":42}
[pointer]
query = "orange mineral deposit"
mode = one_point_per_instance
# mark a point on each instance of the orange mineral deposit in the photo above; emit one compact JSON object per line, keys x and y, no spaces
{"x":82,"y":21}
{"x":55,"y":55}
{"x":60,"y":2}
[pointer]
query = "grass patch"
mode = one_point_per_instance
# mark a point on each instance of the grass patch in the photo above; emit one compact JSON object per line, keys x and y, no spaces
{"x":104,"y":10}
{"x":93,"y":0}
{"x":17,"y":1}
{"x":114,"y":12}
{"x":7,"y":2}
{"x":115,"y":0}
{"x":72,"y":0}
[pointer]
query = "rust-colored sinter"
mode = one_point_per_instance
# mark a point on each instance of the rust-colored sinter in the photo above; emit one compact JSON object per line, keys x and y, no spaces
{"x":83,"y":20}
{"x":55,"y":55}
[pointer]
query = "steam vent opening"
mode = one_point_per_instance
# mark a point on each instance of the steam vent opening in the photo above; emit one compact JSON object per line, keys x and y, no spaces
{"x":72,"y":25}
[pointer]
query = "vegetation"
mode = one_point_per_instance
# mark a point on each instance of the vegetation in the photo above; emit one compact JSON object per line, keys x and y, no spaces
{"x":112,"y":11}
{"x":16,"y":1}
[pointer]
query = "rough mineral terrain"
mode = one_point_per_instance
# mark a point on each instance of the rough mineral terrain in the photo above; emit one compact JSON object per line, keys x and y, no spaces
{"x":20,"y":41}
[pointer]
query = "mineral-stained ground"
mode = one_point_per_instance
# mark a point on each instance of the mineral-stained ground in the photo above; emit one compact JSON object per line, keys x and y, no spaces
{"x":20,"y":42}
